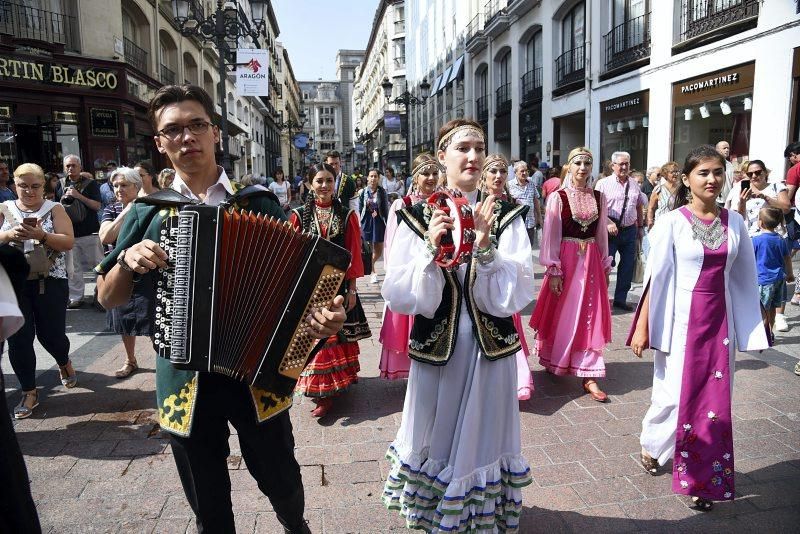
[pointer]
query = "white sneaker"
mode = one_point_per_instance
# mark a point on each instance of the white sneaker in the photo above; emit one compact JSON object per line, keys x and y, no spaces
{"x":373,"y":278}
{"x":780,"y":323}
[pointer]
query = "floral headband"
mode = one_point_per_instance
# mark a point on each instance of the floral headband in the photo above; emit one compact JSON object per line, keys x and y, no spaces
{"x":587,"y":154}
{"x":492,"y":160}
{"x":466,"y":129}
{"x":429,"y":163}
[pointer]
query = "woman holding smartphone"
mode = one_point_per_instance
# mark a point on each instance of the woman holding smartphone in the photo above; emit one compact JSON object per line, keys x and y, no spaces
{"x":33,"y":222}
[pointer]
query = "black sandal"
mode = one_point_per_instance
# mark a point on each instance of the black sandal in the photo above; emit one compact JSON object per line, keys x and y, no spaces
{"x":704,"y":505}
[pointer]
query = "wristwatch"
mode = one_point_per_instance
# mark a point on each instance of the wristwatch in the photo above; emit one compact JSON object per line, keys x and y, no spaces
{"x":121,"y":261}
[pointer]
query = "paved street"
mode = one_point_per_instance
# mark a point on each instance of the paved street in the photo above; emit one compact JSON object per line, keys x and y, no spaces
{"x":99,"y":463}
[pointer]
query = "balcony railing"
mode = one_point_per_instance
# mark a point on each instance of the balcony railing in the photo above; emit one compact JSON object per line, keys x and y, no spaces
{"x":532,"y":85}
{"x":503,"y":98}
{"x":167,"y":76}
{"x":400,"y":62}
{"x":570,"y":67}
{"x":700,"y":17}
{"x":482,"y":108}
{"x":493,"y":7}
{"x":475,"y":25}
{"x":134,"y":56}
{"x":25,"y":22}
{"x":399,"y":26}
{"x":627,"y":43}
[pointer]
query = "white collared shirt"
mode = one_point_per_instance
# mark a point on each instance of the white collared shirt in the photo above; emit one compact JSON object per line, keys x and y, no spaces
{"x":215,"y":194}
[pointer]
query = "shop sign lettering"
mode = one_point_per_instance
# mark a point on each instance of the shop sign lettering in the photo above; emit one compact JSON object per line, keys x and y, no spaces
{"x":67,"y":75}
{"x":104,"y":123}
{"x":728,"y":79}
{"x":622,"y":104}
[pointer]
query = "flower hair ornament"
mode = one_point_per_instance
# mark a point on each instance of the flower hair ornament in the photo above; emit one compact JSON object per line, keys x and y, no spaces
{"x":465,"y":130}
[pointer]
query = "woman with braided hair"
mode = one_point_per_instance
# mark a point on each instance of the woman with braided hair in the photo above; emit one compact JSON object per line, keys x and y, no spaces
{"x":396,"y":327}
{"x":572,"y":317}
{"x":494,"y":181}
{"x":335,"y":367}
{"x":456,"y":463}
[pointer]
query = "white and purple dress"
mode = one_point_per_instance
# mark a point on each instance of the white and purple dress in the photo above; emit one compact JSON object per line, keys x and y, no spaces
{"x":704,"y":304}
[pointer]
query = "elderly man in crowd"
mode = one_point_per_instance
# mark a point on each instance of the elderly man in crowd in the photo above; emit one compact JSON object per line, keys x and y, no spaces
{"x":724,"y":149}
{"x":86,"y":252}
{"x":524,"y":191}
{"x":622,"y":198}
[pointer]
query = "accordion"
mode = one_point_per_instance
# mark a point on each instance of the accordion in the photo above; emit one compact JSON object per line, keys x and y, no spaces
{"x":236,"y":294}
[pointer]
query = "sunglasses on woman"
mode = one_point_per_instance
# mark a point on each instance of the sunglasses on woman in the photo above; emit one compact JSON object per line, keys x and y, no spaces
{"x":753,"y":174}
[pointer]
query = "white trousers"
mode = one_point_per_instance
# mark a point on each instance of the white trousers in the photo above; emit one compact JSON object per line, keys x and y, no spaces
{"x":83,"y":257}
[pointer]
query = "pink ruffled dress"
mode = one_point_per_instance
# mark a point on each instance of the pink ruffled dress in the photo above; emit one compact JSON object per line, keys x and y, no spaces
{"x":396,"y":327}
{"x":572,"y":329}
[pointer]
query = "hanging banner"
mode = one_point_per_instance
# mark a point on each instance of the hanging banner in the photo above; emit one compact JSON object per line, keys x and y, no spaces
{"x":252,"y":72}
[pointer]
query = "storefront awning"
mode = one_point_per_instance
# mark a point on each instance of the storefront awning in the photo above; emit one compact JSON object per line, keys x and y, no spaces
{"x":457,"y":70}
{"x":436,"y":84}
{"x":442,"y":85}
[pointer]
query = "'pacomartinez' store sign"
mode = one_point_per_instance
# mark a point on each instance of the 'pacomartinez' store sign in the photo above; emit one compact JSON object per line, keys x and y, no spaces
{"x":57,"y":74}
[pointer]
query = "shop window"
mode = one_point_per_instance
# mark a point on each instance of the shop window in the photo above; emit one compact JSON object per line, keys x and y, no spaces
{"x":724,"y":119}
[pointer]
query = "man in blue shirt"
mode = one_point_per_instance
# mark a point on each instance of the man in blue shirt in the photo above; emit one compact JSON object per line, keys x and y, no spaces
{"x":5,"y":192}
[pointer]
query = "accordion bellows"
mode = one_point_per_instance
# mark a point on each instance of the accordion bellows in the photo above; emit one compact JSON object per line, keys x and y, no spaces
{"x":238,"y":290}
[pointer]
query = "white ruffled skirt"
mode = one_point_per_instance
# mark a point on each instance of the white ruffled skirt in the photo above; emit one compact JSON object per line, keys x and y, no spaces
{"x":456,"y":462}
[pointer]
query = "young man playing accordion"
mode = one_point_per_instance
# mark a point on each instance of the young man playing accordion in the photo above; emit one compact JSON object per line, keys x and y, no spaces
{"x":195,"y":408}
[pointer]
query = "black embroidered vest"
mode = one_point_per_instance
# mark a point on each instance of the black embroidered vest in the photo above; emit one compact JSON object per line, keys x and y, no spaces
{"x":433,"y":340}
{"x":336,"y":228}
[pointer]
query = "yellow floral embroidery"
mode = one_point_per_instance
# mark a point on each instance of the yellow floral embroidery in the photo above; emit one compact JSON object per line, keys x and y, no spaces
{"x":268,"y":404}
{"x":176,"y":412}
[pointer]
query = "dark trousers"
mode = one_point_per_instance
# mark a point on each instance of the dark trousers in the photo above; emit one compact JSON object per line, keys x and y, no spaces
{"x":624,"y":243}
{"x":267,"y":449}
{"x":17,"y":511}
{"x":45,"y":318}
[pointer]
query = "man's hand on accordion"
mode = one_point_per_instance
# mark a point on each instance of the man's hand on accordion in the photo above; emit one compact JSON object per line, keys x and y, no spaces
{"x":145,"y":256}
{"x":326,"y":322}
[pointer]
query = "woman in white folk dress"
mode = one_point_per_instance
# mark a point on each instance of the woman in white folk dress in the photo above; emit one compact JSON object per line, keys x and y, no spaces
{"x":456,"y":461}
{"x":701,"y":303}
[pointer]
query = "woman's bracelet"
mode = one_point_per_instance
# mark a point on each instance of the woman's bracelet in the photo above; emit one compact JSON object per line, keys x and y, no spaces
{"x":429,"y":246}
{"x":486,"y":255}
{"x":554,"y":272}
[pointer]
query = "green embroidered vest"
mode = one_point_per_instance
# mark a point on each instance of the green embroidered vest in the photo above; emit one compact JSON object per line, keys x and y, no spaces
{"x":176,"y":390}
{"x":433,"y":340}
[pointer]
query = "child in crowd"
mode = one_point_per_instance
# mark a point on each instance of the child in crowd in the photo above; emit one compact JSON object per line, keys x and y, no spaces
{"x":772,"y":262}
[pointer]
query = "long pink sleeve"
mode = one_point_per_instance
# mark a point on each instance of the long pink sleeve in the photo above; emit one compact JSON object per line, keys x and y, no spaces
{"x":550,"y":249}
{"x":601,"y":237}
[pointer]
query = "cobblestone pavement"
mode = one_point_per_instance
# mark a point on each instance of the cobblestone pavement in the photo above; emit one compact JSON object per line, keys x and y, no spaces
{"x":99,"y":463}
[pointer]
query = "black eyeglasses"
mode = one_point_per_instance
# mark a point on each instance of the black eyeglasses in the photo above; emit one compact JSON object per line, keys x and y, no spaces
{"x":753,"y":174}
{"x":174,"y":131}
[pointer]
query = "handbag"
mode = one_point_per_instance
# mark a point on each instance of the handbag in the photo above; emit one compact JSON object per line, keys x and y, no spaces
{"x":638,"y":266}
{"x":76,"y":210}
{"x":366,"y":256}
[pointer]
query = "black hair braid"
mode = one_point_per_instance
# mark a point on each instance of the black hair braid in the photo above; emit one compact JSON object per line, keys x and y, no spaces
{"x":308,"y":211}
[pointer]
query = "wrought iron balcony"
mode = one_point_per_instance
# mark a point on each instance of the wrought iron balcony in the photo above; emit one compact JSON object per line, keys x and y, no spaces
{"x":493,"y":7}
{"x":134,"y":56}
{"x":167,"y":76}
{"x":25,"y":22}
{"x":503,"y":98}
{"x":710,"y":17}
{"x":628,"y":43}
{"x":532,"y":85}
{"x":400,"y":62}
{"x":570,"y":67}
{"x":482,"y":108}
{"x":475,"y":26}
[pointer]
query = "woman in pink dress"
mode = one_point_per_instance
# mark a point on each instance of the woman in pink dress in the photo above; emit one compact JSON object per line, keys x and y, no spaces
{"x":572,"y":317}
{"x":396,"y":327}
{"x":700,"y":304}
{"x":493,"y":182}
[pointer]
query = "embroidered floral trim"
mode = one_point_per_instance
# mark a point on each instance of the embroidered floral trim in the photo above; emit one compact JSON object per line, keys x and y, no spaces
{"x":583,"y":206}
{"x":495,"y":332}
{"x":721,"y":472}
{"x":438,"y":330}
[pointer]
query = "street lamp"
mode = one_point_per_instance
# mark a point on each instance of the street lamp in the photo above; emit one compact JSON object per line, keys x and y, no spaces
{"x":291,"y":126}
{"x":407,"y":99}
{"x":223,"y":27}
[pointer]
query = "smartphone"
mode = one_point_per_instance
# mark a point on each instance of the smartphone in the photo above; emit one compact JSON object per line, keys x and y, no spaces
{"x":745,"y":184}
{"x":30,"y":221}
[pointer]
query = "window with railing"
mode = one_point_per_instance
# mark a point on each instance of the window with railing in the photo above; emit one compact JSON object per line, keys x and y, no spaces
{"x":29,"y":22}
{"x":628,"y":42}
{"x":134,"y":55}
{"x":532,"y":85}
{"x":475,"y":25}
{"x":700,"y":17}
{"x":482,"y":108}
{"x":167,"y":76}
{"x":570,"y":67}
{"x":494,"y":7}
{"x":503,"y":98}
